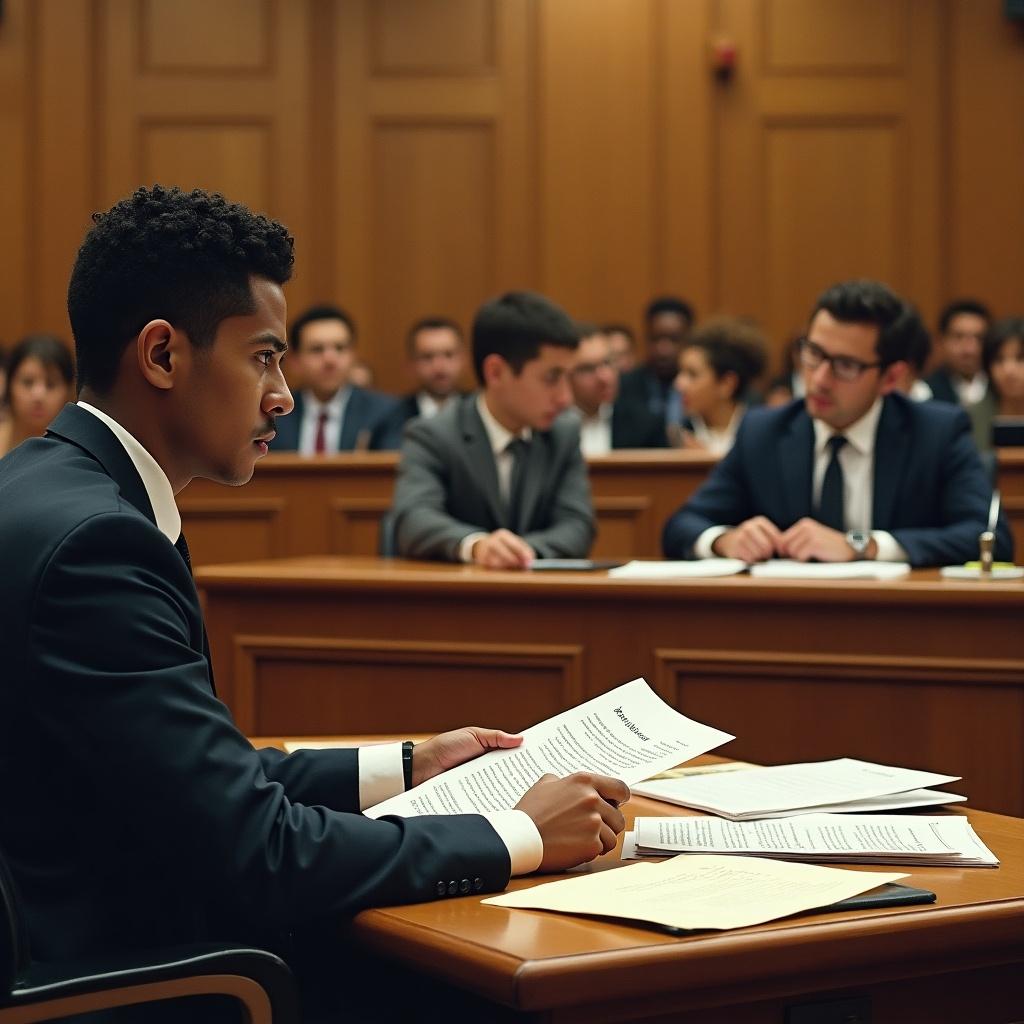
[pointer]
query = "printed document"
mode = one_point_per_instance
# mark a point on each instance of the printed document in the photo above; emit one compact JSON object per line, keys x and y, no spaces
{"x":699,"y":892}
{"x":789,"y":788}
{"x":629,"y":733}
{"x":947,"y":840}
{"x":701,"y":568}
{"x":789,"y":569}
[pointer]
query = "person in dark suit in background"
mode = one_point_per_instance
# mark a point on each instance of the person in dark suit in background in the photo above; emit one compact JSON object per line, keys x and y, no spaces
{"x":961,"y":378}
{"x":852,"y":471}
{"x":436,"y":359}
{"x":604,"y":424}
{"x":134,"y":813}
{"x":496,"y":478}
{"x":650,"y":387}
{"x":331,"y":413}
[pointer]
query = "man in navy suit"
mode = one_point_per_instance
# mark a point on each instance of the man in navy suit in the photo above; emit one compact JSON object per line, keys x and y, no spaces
{"x":331,"y":414}
{"x":134,"y":813}
{"x":852,"y":471}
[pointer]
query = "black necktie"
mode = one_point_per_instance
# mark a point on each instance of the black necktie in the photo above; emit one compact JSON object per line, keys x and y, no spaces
{"x":830,"y":507}
{"x":519,"y":449}
{"x":181,"y":546}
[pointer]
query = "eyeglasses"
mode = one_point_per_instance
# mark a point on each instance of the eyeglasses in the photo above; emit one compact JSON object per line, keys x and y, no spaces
{"x":813,"y":355}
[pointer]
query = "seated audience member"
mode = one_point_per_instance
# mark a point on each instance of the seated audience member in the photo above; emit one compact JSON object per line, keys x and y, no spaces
{"x":961,"y":378}
{"x":789,"y":384}
{"x":623,"y":346}
{"x":496,"y":477}
{"x":651,"y":387}
{"x":595,"y":386}
{"x":852,"y":471}
{"x":1003,"y":363}
{"x":436,"y":358}
{"x":39,"y":378}
{"x":135,"y":814}
{"x":722,"y":358}
{"x":912,"y":382}
{"x":332,"y":414}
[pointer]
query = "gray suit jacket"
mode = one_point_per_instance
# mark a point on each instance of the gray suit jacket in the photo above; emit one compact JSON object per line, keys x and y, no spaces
{"x":447,"y":488}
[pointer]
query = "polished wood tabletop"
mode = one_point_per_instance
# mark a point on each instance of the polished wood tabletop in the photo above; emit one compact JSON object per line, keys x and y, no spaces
{"x":959,"y":959}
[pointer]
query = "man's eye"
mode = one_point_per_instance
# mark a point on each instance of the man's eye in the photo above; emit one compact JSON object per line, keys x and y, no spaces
{"x":266,"y":356}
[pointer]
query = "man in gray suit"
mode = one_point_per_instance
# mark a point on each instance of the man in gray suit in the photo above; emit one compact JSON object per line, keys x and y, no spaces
{"x":496,"y":478}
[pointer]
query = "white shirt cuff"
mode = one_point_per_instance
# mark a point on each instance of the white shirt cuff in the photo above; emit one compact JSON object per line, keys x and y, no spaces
{"x":466,"y":547}
{"x":889,"y":549}
{"x":380,"y":773}
{"x":519,"y":834}
{"x":702,"y":545}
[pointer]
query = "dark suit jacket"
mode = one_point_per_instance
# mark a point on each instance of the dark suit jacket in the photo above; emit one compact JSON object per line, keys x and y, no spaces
{"x":641,"y":394}
{"x":930,"y":490}
{"x":387,"y":435}
{"x":943,"y":389}
{"x":364,"y":410}
{"x":636,"y":427}
{"x":447,"y":488}
{"x":133,"y":812}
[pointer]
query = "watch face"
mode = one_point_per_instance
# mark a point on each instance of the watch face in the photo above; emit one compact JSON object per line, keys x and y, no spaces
{"x":858,"y":541}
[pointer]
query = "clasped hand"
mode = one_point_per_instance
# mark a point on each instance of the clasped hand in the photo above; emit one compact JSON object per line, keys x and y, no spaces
{"x":759,"y":539}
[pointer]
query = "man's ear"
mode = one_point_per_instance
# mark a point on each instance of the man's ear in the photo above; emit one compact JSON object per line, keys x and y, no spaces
{"x":894,"y":377}
{"x":160,"y":351}
{"x":495,"y":369}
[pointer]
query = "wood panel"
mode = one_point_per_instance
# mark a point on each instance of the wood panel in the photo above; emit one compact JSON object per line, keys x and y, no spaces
{"x":921,"y":672}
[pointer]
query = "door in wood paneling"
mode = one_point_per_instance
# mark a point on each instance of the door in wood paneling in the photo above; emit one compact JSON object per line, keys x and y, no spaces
{"x":828,"y":153}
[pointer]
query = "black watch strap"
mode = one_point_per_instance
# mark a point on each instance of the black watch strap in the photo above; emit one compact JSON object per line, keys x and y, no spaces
{"x":407,"y":763}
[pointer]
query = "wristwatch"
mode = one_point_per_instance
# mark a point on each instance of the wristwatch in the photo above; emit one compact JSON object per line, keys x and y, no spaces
{"x":859,"y":541}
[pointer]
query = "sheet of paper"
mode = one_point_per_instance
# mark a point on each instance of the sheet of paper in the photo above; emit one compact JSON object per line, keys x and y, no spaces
{"x":873,"y":805}
{"x":757,"y":792}
{"x":688,"y":771}
{"x":700,"y":568}
{"x":967,"y":572}
{"x":787,"y":569}
{"x":808,"y":837}
{"x":629,"y":733}
{"x":699,"y":892}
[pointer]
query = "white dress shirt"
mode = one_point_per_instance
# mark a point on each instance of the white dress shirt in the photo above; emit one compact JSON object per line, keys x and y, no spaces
{"x":857,"y":459}
{"x":718,"y":442}
{"x":428,"y":405}
{"x":596,"y":431}
{"x":499,"y":439}
{"x":311,"y":410}
{"x":972,"y":391}
{"x":380,"y":765}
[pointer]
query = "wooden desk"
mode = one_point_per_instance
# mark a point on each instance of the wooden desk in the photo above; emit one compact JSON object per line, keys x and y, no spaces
{"x":959,"y":960}
{"x":332,"y":505}
{"x":922,"y":672}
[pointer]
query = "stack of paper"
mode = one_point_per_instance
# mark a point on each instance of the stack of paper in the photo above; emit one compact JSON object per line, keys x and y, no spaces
{"x":947,"y":840}
{"x":787,"y":569}
{"x":845,"y":785}
{"x":629,"y":733}
{"x":701,"y":568}
{"x":699,"y":892}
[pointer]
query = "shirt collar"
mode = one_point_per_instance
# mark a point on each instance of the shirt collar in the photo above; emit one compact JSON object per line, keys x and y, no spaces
{"x":427,"y":404}
{"x":154,"y":479}
{"x":498,"y":436}
{"x":333,"y":406}
{"x":861,"y":435}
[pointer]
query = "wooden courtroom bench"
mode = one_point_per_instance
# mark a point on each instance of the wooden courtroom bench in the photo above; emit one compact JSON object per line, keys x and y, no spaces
{"x":920,"y":672}
{"x":332,"y":505}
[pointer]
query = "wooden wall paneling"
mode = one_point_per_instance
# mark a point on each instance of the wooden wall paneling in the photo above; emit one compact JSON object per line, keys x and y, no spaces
{"x":828,"y":154}
{"x":15,"y":86}
{"x":515,"y":684}
{"x":226,"y":109}
{"x":597,"y":129}
{"x":983,"y":220}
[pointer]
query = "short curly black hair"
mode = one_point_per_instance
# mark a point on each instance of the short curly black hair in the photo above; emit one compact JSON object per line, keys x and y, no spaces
{"x":185,"y":257}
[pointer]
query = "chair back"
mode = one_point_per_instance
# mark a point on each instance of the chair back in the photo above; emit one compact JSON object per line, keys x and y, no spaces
{"x":14,"y":955}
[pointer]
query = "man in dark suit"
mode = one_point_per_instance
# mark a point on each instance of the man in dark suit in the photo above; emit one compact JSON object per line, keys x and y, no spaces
{"x":436,"y":359}
{"x":496,"y":478}
{"x":961,"y":378}
{"x":651,"y":387}
{"x":852,"y":471}
{"x":331,"y":413}
{"x":604,"y":422}
{"x":134,"y":812}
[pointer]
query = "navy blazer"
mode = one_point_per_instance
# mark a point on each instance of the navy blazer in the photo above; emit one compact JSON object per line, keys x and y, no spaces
{"x":387,"y":434}
{"x":930,"y":489}
{"x":134,"y":814}
{"x":363,"y":411}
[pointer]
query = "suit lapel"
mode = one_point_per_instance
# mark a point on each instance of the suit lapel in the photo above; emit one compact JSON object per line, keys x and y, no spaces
{"x":892,"y":448}
{"x":796,"y":465}
{"x":354,"y":416}
{"x":534,"y":473}
{"x":477,"y":448}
